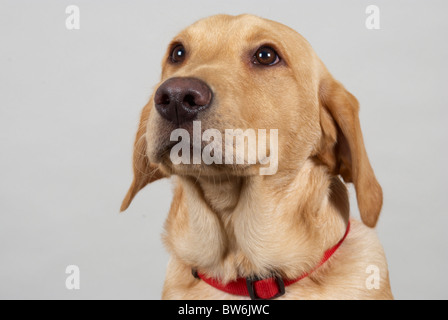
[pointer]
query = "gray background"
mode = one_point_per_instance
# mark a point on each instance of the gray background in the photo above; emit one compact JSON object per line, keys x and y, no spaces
{"x":69,"y":107}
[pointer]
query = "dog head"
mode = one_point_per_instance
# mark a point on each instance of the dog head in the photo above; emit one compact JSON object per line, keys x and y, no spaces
{"x":246,"y":72}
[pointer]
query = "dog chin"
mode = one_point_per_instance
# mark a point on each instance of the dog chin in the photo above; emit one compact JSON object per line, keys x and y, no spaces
{"x":205,"y":170}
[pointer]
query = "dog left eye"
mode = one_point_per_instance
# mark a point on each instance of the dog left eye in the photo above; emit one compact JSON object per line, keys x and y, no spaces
{"x":266,"y":56}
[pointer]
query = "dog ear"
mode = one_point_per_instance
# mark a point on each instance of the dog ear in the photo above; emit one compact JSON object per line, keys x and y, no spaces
{"x":144,"y":171}
{"x":342,"y":147}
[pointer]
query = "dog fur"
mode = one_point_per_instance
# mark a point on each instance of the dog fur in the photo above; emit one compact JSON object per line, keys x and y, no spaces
{"x":228,"y":221}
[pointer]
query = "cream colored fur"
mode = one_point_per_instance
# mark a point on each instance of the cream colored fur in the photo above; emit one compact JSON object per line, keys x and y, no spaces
{"x":231,"y":222}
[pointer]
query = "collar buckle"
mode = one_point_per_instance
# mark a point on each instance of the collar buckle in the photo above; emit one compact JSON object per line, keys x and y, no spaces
{"x":250,"y":282}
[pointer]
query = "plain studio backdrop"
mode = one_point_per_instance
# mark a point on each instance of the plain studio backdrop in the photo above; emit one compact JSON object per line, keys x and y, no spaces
{"x":69,"y":107}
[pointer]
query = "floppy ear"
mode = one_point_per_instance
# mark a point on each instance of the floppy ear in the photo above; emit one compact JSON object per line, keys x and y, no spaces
{"x":144,"y":171}
{"x":343,"y":148}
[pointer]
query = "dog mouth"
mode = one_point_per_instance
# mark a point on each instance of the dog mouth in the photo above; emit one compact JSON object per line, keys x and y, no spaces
{"x":177,"y":155}
{"x":197,"y":159}
{"x":194,"y":147}
{"x":208,"y":160}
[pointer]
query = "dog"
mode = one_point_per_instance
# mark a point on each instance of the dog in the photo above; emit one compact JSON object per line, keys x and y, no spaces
{"x":236,"y":234}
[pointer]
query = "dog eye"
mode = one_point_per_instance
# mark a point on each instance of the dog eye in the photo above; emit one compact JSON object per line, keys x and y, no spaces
{"x":266,"y":56}
{"x":178,"y":54}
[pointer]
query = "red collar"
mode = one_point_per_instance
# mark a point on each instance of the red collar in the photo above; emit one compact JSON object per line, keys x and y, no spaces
{"x":265,"y":289}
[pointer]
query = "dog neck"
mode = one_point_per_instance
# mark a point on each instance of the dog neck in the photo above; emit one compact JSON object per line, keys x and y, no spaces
{"x":257,"y":225}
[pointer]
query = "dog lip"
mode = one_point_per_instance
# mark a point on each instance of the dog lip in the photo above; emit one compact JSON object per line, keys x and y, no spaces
{"x":163,"y":148}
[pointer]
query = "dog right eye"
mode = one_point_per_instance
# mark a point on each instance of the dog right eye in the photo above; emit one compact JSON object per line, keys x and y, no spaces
{"x":178,"y":54}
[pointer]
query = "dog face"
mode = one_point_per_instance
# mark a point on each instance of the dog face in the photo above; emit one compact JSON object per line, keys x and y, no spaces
{"x":244,"y":73}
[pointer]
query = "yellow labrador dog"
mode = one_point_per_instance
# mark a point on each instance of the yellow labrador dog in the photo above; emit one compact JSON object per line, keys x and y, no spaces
{"x":232,"y":232}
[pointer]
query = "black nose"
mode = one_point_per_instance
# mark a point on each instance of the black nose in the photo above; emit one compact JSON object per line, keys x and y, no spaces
{"x":181,"y":99}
